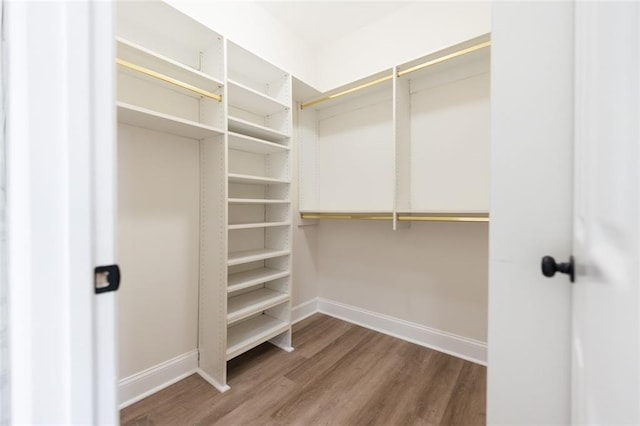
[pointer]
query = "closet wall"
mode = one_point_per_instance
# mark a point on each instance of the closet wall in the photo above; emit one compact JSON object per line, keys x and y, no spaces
{"x":431,"y":274}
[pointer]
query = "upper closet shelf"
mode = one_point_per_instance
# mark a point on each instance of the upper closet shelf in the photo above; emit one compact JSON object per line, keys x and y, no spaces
{"x":245,"y":143}
{"x":140,"y":56}
{"x":248,"y":128}
{"x":248,"y":99}
{"x":142,"y":117}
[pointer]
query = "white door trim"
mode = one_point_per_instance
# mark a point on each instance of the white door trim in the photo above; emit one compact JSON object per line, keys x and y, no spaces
{"x":52,"y":121}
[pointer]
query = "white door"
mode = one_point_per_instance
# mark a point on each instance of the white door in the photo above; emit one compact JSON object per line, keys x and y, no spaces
{"x":531,"y":212}
{"x":59,"y":66}
{"x":605,"y":334}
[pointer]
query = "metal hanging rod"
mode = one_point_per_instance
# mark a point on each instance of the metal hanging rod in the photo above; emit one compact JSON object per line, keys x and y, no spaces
{"x":167,"y":79}
{"x":345,"y":216}
{"x":346,"y":92}
{"x":400,"y":73}
{"x":404,"y":218}
{"x":415,"y":217}
{"x":445,"y":58}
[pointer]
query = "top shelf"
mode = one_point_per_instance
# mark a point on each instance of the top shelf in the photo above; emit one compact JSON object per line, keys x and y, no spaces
{"x":146,"y":58}
{"x":243,"y":62}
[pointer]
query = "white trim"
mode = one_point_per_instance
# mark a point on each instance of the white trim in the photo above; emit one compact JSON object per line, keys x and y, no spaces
{"x":441,"y":341}
{"x":147,"y":382}
{"x":304,"y":310}
{"x":212,"y":381}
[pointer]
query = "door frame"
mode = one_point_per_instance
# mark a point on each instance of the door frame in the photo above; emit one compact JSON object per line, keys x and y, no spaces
{"x":60,"y":158}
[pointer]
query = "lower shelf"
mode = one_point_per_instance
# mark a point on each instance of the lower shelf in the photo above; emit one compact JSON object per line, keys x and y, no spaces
{"x":253,"y":302}
{"x":250,"y":333}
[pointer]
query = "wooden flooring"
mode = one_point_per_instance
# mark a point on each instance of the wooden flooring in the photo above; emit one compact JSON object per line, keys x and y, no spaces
{"x":339,"y":374}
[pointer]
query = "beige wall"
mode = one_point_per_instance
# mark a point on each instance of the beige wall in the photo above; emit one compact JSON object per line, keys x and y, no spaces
{"x":432,"y":274}
{"x":158,"y":223}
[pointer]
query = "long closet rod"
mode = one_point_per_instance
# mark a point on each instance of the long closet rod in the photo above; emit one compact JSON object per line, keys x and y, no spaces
{"x":167,"y":79}
{"x":345,"y":216}
{"x":445,"y":58}
{"x":401,"y":217}
{"x":346,"y":92}
{"x":400,"y":73}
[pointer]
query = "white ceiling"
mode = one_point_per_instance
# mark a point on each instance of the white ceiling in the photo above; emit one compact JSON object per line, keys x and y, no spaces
{"x":321,"y":22}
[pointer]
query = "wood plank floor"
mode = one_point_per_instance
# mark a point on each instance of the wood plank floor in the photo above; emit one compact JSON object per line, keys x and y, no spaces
{"x":339,"y":374}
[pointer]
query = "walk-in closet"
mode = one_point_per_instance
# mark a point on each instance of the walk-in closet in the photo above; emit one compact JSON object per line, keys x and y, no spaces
{"x":264,"y":218}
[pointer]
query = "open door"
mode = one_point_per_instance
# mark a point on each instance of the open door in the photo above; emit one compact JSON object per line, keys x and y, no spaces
{"x":606,"y":297}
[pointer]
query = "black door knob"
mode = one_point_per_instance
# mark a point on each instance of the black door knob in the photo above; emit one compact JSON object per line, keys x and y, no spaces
{"x":550,"y":267}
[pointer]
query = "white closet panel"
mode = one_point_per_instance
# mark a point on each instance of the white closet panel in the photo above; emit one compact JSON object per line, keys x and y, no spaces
{"x":348,"y":152}
{"x":450,"y":138}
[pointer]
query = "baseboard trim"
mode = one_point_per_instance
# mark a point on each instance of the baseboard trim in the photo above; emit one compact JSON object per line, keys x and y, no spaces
{"x":304,"y":310}
{"x":458,"y":346}
{"x":212,"y":381}
{"x":147,"y":382}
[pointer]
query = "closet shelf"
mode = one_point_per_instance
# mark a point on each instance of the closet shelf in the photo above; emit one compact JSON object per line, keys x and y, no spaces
{"x":246,"y":279}
{"x":255,"y":180}
{"x":248,"y":99}
{"x":248,"y":128}
{"x":256,"y":201}
{"x":246,"y":143}
{"x":248,"y":304}
{"x":250,"y":333}
{"x":248,"y":256}
{"x":257,"y":225}
{"x":146,"y":58}
{"x":153,"y":120}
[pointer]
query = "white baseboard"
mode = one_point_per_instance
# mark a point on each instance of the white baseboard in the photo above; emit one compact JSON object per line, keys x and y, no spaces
{"x":304,"y":310}
{"x":458,"y":346}
{"x":140,"y":385}
{"x":213,"y":382}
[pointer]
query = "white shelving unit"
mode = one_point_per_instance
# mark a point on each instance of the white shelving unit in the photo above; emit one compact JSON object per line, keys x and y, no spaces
{"x":409,"y":141}
{"x":259,"y":205}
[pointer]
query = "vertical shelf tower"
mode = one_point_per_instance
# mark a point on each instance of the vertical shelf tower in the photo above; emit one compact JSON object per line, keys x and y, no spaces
{"x":259,"y":204}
